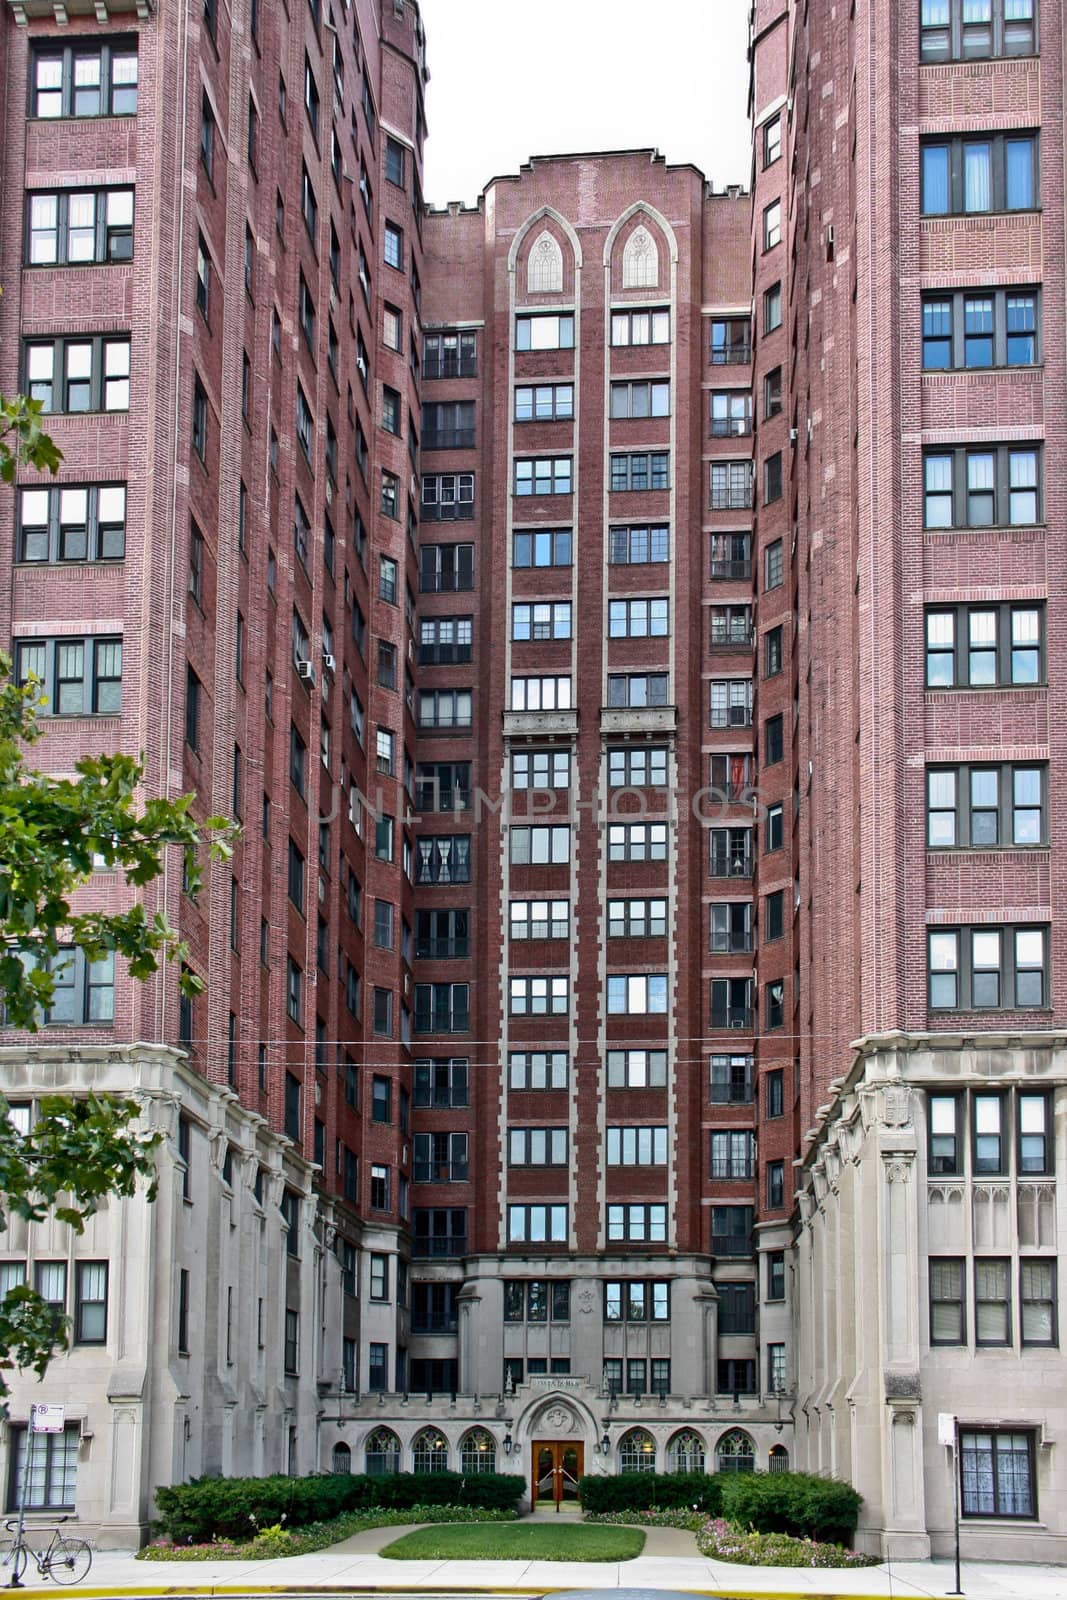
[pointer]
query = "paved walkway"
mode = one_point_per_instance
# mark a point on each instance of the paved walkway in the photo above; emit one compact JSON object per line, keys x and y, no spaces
{"x":355,"y":1567}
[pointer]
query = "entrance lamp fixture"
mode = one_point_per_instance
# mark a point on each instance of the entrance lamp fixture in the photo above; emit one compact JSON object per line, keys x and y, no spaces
{"x":508,"y":1442}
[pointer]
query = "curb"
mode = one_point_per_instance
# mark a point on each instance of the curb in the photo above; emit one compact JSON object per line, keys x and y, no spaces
{"x":178,"y":1592}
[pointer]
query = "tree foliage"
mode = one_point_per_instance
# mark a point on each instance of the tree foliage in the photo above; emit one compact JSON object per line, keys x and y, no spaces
{"x":23,"y":442}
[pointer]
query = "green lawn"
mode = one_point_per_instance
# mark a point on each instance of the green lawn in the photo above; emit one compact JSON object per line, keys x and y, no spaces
{"x":522,"y":1541}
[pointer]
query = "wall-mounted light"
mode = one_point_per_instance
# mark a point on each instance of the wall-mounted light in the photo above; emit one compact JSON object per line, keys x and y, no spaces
{"x":605,"y":1444}
{"x":508,"y":1442}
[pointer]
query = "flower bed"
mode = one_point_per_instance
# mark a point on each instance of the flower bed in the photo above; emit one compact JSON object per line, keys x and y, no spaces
{"x":270,"y":1543}
{"x":728,"y":1541}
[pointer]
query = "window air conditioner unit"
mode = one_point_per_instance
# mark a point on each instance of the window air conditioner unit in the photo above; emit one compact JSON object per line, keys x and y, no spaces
{"x":329,"y":661}
{"x":794,"y":435}
{"x":305,"y":671}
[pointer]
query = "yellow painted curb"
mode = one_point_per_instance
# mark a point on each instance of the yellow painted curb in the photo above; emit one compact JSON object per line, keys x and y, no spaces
{"x":145,"y":1592}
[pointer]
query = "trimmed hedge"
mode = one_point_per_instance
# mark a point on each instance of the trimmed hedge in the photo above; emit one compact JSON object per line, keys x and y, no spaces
{"x":647,"y":1491}
{"x":798,"y":1503}
{"x":234,"y":1508}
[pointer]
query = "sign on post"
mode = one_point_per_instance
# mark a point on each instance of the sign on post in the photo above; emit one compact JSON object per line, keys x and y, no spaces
{"x":49,"y":1419}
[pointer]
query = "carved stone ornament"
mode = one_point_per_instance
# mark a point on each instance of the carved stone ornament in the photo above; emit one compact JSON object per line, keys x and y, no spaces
{"x":557,"y":1419}
{"x":898,"y":1169}
{"x":896,"y":1105}
{"x":586,"y":1301}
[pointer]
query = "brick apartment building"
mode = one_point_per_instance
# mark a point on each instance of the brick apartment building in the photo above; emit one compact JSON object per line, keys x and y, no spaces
{"x":557,"y":588}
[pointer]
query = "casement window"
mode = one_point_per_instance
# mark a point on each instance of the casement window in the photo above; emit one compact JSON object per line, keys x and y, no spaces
{"x":305,"y":427}
{"x":540,"y":769}
{"x":439,"y":1158}
{"x":70,"y":227}
{"x":448,"y":425}
{"x":731,"y":927}
{"x":542,"y":475}
{"x":972,"y":807}
{"x":442,"y":1007}
{"x":774,"y":1006}
{"x":309,"y":205}
{"x":772,"y":308}
{"x":291,"y":1345}
{"x":637,"y":919}
{"x":207,"y":136}
{"x":772,"y":141}
{"x":730,"y":703}
{"x":537,"y":1069}
{"x":638,"y":619}
{"x":444,"y":568}
{"x":294,"y":992}
{"x":51,"y":1484}
{"x":537,"y":1224}
{"x":393,"y":246}
{"x":450,"y":355}
{"x":637,"y":994}
{"x":441,"y":1083}
{"x":540,"y":846}
{"x":772,"y":651}
{"x":86,"y":523}
{"x":637,"y":841}
{"x":84,"y":79}
{"x":537,"y":1300}
{"x":775,"y":1275}
{"x":443,"y":709}
{"x":992,"y":1301}
{"x":380,"y":1186}
{"x":638,"y":767}
{"x":985,"y":646}
{"x":545,"y":332}
{"x":541,"y":620}
{"x":736,"y":1375}
{"x":440,"y":1231}
{"x":775,"y":1185}
{"x":1034,"y":1128}
{"x":443,"y":785}
{"x":637,"y":690}
{"x":641,"y":327}
{"x":641,"y":398}
{"x":639,"y":1224}
{"x":638,"y":471}
{"x":307,"y":314}
{"x":731,"y":1080}
{"x":639,"y":546}
{"x":773,"y":740}
{"x":637,"y":1147}
{"x":733,"y":1155}
{"x":774,"y":1094}
{"x":948,"y":1304}
{"x":637,"y":1300}
{"x":540,"y":694}
{"x":731,"y":555}
{"x":944,"y":1135}
{"x":772,"y":225}
{"x":968,"y":30}
{"x":731,"y":485}
{"x":84,"y":994}
{"x":539,"y":919}
{"x":774,"y":828}
{"x":730,"y":341}
{"x":444,"y":858}
{"x":731,"y":414}
{"x":998,"y":486}
{"x":73,"y":374}
{"x":731,"y":1003}
{"x":998,"y":1477}
{"x":966,"y":175}
{"x":981,"y":328}
{"x":447,"y":497}
{"x":1037,"y":1302}
{"x":737,"y":1307}
{"x":988,"y":968}
{"x":296,"y":876}
{"x":772,"y":478}
{"x":731,"y":852}
{"x":539,"y":996}
{"x":78,"y":677}
{"x":545,"y":402}
{"x":637,"y":1069}
{"x":731,"y":1230}
{"x":445,"y":641}
{"x":545,"y":547}
{"x":772,"y":393}
{"x":537,"y":1147}
{"x":442,"y":934}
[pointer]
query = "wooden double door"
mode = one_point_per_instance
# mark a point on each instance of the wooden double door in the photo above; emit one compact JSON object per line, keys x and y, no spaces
{"x":557,"y":1467}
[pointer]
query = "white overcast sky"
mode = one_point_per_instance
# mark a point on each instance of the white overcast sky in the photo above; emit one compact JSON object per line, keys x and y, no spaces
{"x":509,"y":80}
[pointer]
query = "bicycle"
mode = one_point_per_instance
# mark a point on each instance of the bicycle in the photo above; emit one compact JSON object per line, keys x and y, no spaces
{"x":65,"y":1560}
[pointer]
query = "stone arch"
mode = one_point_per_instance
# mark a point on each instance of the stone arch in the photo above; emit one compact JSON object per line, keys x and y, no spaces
{"x":429,"y":1451}
{"x":542,"y":215}
{"x":341,"y":1459}
{"x":477,"y":1451}
{"x":735,"y":1452}
{"x":778,"y":1459}
{"x":544,"y":265}
{"x":686,"y":1451}
{"x":637,"y":1451}
{"x":381,"y":1452}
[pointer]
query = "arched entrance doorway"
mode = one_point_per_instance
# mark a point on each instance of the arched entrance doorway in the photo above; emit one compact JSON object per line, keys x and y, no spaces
{"x":556,"y":1460}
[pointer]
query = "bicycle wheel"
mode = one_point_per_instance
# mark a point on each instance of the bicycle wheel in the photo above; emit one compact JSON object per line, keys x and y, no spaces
{"x":12,"y":1558}
{"x":69,"y":1560}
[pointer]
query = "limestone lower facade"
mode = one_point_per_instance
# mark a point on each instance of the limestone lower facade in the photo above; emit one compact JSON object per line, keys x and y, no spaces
{"x":931,"y":1207}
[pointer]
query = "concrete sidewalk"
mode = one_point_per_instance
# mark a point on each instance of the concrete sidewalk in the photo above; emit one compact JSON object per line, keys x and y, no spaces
{"x":347,"y":1571}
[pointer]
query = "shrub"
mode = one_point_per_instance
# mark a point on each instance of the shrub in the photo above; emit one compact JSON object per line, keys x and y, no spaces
{"x":797,"y":1503}
{"x":725,"y":1541}
{"x":647,"y":1491}
{"x":236,"y":1508}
